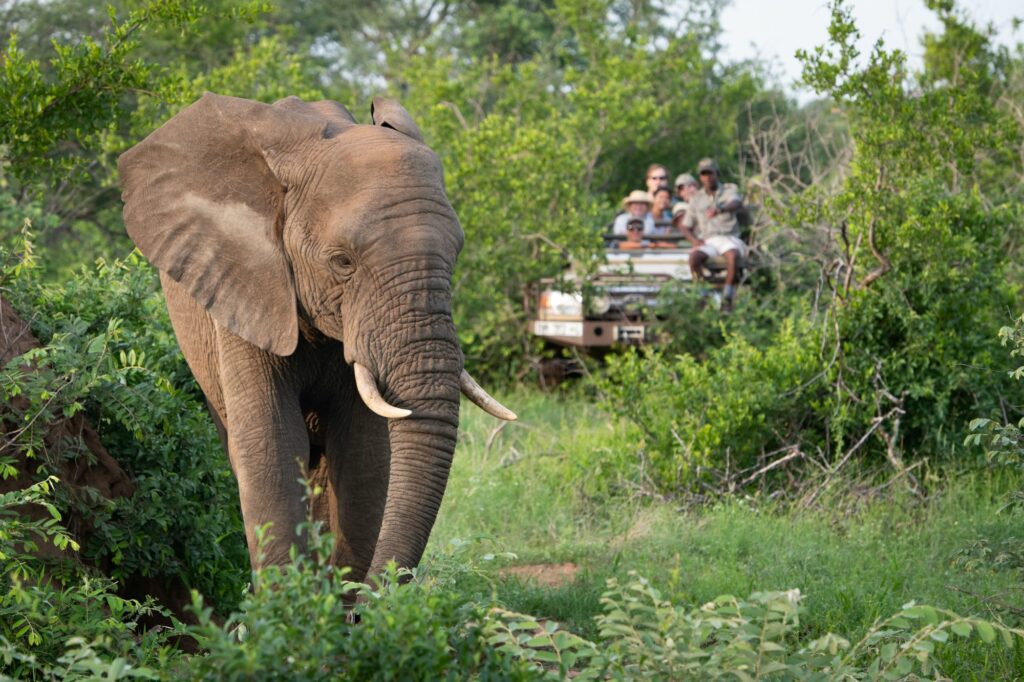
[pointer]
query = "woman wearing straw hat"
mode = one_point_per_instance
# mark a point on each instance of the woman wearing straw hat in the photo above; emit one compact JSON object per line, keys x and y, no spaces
{"x":638,"y":205}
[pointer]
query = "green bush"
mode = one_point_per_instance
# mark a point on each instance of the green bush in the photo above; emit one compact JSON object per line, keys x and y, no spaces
{"x":300,"y":624}
{"x":740,"y":403}
{"x":109,"y":350}
{"x":643,"y":635}
{"x":1004,"y":442}
{"x":919,"y":284}
{"x":78,"y":628}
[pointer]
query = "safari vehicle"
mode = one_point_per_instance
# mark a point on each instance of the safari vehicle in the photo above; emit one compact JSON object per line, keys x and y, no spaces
{"x":616,"y":306}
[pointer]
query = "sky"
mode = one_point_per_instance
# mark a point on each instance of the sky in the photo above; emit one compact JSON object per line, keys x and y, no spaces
{"x":774,"y":30}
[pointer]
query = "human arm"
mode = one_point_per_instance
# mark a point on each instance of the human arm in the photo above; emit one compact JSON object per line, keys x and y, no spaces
{"x":684,"y":222}
{"x":730,"y":201}
{"x":729,"y":207}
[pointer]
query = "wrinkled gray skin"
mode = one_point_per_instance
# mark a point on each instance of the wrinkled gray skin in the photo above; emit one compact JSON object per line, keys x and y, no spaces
{"x":291,"y":243}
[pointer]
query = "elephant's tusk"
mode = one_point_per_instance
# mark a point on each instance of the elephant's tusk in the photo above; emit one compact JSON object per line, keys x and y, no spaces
{"x":483,"y":400}
{"x":366,"y":384}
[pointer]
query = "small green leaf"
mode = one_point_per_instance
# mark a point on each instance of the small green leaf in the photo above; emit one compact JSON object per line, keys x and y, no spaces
{"x":961,"y":628}
{"x":985,"y":631}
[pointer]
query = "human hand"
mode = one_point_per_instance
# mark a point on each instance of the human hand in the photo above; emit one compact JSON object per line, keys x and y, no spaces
{"x":711,"y":212}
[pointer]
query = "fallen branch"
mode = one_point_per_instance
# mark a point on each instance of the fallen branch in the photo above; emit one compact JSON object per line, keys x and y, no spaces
{"x":794,"y":454}
{"x":991,"y":599}
{"x":494,"y":434}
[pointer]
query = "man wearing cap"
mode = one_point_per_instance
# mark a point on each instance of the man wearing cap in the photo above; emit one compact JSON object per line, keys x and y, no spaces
{"x":712,"y":211}
{"x":638,"y":205}
{"x":686,"y":187}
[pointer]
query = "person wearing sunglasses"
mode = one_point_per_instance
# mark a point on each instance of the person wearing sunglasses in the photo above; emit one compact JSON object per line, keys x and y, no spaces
{"x":635,"y":237}
{"x":657,"y":176}
{"x":712,"y":213}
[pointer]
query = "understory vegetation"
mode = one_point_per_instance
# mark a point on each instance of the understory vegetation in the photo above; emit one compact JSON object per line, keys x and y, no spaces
{"x":827,"y":484}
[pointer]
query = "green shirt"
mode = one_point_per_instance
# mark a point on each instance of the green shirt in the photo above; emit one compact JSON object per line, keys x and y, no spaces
{"x":721,"y":224}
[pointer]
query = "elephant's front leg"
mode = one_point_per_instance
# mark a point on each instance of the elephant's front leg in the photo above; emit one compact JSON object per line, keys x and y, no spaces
{"x":267,"y":444}
{"x":358,"y":463}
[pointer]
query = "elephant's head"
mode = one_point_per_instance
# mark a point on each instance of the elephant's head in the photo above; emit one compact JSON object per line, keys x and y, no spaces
{"x":292,"y":218}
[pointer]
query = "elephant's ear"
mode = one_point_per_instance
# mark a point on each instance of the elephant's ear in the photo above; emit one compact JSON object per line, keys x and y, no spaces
{"x":203,"y":205}
{"x":390,"y":114}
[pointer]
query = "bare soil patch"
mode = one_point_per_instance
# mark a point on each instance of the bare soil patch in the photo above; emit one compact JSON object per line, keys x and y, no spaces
{"x":545,"y":575}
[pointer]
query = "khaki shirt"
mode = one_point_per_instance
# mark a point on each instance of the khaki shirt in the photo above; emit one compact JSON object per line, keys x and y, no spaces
{"x":721,"y":224}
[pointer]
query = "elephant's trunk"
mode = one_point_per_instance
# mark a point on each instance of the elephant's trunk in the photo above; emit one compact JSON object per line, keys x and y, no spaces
{"x":422,"y":446}
{"x":418,"y":364}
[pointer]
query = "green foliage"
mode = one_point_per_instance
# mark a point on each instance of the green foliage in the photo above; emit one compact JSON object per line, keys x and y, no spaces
{"x":920,"y":289}
{"x":68,"y":108}
{"x":81,"y":92}
{"x":300,"y":623}
{"x":78,"y":629}
{"x":19,"y":534}
{"x":760,"y":638}
{"x":109,"y":350}
{"x":1004,"y":442}
{"x":296,"y":627}
{"x":740,"y":403}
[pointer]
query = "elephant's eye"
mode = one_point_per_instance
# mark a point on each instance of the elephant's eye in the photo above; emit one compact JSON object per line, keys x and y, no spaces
{"x":343,"y":265}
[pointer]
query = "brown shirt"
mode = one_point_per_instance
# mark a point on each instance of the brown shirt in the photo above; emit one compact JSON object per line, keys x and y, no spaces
{"x":721,"y":224}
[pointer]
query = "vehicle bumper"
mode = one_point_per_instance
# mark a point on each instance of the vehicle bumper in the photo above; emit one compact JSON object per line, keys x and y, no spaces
{"x":592,"y":333}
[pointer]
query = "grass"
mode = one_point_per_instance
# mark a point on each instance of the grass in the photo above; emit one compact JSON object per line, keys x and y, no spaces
{"x":540,"y":489}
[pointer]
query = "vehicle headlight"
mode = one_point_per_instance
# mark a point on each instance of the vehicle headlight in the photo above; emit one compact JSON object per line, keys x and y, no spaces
{"x":560,"y":305}
{"x":600,"y":304}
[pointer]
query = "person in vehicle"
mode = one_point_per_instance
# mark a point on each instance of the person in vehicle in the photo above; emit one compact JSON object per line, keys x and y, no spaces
{"x":662,"y":207}
{"x":638,"y":205}
{"x":657,"y":176}
{"x":686,"y":187}
{"x":712,"y":214}
{"x":635,"y":237}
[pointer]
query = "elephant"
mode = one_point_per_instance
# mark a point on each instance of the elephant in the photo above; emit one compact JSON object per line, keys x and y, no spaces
{"x":306,"y":261}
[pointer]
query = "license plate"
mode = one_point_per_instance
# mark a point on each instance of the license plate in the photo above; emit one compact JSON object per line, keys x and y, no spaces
{"x":558,"y":328}
{"x":630,"y":333}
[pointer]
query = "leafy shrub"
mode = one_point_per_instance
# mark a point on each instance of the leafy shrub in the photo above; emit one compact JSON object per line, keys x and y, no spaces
{"x":1004,"y":443}
{"x":643,"y":635}
{"x":109,"y":351}
{"x":919,"y":283}
{"x":738,"y":404}
{"x":925,"y":334}
{"x":297,"y":625}
{"x":72,"y":630}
